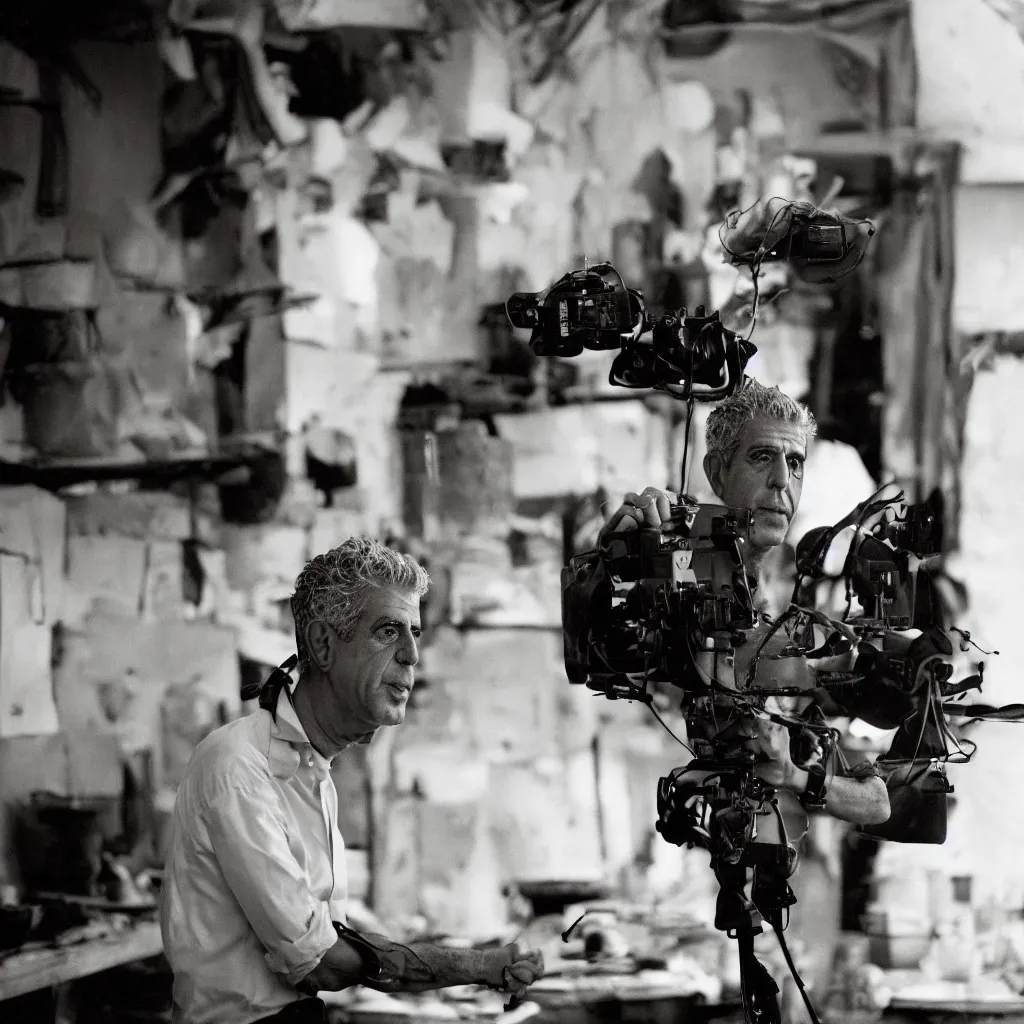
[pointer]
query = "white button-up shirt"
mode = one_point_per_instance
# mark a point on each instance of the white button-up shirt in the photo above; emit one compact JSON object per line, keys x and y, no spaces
{"x":255,"y":870}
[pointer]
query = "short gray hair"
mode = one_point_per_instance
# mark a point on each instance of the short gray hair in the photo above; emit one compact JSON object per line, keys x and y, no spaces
{"x":335,"y":586}
{"x":755,"y":401}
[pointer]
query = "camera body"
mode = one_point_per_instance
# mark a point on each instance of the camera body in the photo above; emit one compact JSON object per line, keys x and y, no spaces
{"x":647,"y":601}
{"x":674,"y":605}
{"x":585,"y":309}
{"x":688,"y":356}
{"x":693,"y":357}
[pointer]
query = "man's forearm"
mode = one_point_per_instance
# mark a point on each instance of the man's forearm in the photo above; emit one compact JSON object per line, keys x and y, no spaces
{"x":859,"y":801}
{"x":421,"y":968}
{"x":430,"y":966}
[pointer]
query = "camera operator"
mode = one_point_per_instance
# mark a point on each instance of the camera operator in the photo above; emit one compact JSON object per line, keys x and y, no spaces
{"x":757,"y":443}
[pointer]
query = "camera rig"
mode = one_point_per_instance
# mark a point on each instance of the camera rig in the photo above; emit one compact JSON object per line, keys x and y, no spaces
{"x":693,"y":357}
{"x":674,"y":606}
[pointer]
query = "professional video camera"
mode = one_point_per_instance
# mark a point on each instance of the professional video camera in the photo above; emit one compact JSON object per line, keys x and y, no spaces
{"x":693,"y":357}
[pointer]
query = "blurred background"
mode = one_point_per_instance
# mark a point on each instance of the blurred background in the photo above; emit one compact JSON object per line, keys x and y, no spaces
{"x":254,"y":256}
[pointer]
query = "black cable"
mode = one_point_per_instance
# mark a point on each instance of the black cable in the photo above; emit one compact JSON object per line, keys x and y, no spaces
{"x":743,"y":573}
{"x":964,"y":634}
{"x":757,"y":259}
{"x":755,"y":273}
{"x":779,"y":934}
{"x":790,"y":613}
{"x":661,"y":721}
{"x":870,"y":509}
{"x":686,"y":444}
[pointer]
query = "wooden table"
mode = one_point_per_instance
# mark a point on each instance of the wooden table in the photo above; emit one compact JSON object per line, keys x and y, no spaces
{"x":36,"y":969}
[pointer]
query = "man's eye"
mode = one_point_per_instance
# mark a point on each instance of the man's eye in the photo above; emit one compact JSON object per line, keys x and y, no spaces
{"x":796,"y":466}
{"x":388,"y":633}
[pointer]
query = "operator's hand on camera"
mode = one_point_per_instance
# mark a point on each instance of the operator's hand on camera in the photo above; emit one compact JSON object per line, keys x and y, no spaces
{"x":651,"y":507}
{"x":879,"y":521}
{"x":514,"y":970}
{"x":776,"y":765}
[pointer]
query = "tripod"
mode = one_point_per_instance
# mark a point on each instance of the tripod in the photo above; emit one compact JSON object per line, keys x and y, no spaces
{"x":714,"y":803}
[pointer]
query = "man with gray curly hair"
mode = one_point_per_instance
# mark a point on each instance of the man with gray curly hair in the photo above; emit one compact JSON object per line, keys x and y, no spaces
{"x":359,"y":583}
{"x":253,"y":909}
{"x":757,"y":443}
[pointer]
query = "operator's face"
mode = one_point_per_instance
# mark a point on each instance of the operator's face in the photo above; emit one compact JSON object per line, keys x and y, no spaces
{"x":369,"y":678}
{"x":765,"y":475}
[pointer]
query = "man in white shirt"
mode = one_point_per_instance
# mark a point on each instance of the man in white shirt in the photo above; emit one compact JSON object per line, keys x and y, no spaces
{"x":253,"y":907}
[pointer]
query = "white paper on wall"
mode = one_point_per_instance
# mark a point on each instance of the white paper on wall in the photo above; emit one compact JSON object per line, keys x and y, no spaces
{"x":490,"y":119}
{"x":315,"y":323}
{"x":336,"y":258}
{"x":386,"y":127}
{"x":329,"y":146}
{"x":321,"y":15}
{"x":620,"y":446}
{"x":356,"y":253}
{"x":345,"y":391}
{"x":26,"y":690}
{"x":989,"y":257}
{"x":116,"y":670}
{"x":33,"y":525}
{"x":110,"y":569}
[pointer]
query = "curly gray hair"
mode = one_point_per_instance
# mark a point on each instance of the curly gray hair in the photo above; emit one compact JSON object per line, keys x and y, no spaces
{"x":334,"y":586}
{"x":755,"y":401}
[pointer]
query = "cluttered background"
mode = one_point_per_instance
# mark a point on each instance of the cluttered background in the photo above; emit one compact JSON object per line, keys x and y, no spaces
{"x":253,"y":264}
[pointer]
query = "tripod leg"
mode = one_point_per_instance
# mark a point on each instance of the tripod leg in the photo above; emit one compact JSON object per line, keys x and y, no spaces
{"x":760,"y":993}
{"x":771,"y":894}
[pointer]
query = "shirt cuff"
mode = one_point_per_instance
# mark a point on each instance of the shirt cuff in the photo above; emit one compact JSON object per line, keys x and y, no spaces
{"x":300,"y":957}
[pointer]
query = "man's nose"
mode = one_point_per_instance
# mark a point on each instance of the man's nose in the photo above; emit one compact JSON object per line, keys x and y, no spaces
{"x":409,"y":653}
{"x":778,"y":478}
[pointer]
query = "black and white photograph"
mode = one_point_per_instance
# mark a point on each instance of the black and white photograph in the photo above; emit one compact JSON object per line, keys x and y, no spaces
{"x":507,"y":511}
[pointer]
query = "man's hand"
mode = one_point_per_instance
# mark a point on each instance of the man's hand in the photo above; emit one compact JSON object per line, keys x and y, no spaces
{"x":651,"y":507}
{"x":776,"y":767}
{"x":512,"y":969}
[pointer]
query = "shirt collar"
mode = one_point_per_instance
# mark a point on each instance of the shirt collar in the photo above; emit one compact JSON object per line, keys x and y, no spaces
{"x":289,"y":744}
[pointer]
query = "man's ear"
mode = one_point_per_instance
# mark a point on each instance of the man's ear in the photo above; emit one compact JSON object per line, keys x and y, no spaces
{"x":320,"y":643}
{"x":714,"y":468}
